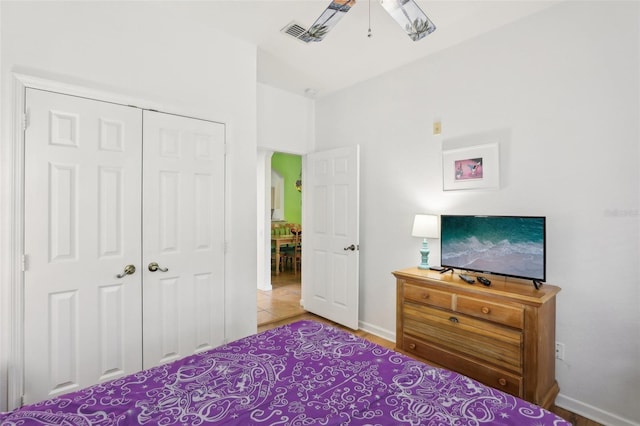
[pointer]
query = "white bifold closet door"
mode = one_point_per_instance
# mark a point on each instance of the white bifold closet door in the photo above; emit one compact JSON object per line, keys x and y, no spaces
{"x":94,"y":204}
{"x":183,"y":228}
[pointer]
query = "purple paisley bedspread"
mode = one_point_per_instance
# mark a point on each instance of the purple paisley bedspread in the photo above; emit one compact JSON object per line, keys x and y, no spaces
{"x":305,"y":373}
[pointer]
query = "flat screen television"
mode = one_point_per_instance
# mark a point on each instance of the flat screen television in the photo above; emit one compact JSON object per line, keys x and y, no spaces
{"x":512,"y":246}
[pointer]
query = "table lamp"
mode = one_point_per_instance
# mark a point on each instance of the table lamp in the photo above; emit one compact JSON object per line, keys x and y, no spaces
{"x":425,"y":226}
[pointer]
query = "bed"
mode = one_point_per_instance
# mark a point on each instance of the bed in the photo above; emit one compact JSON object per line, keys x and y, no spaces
{"x":304,"y":373}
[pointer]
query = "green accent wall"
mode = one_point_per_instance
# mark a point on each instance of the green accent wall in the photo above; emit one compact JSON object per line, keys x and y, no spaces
{"x":289,"y":167}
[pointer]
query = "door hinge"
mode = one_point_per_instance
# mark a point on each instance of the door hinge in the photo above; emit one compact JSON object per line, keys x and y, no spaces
{"x":24,"y":262}
{"x":25,"y":121}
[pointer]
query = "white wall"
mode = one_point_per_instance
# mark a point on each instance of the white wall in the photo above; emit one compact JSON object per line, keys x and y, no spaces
{"x":560,"y":92}
{"x":156,"y":52}
{"x":285,"y":121}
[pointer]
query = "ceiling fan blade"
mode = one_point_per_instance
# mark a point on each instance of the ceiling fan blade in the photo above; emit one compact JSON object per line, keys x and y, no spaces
{"x":410,"y":17}
{"x":327,"y":20}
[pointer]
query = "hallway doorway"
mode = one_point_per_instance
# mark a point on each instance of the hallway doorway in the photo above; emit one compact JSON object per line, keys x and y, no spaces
{"x":279,"y":294}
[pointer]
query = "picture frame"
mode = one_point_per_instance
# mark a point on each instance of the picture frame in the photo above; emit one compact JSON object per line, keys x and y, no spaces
{"x":475,"y":167}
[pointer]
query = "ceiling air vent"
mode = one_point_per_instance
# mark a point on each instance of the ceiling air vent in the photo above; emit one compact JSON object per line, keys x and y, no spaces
{"x":296,"y":31}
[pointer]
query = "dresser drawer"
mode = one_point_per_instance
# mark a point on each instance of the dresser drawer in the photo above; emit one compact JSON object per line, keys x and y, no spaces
{"x":427,"y":296}
{"x":494,"y":377}
{"x":511,"y":315}
{"x":481,"y":340}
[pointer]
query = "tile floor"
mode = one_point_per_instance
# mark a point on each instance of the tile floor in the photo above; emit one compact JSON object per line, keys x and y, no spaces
{"x":283,"y":301}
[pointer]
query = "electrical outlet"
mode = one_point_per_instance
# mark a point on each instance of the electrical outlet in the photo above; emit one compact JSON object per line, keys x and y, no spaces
{"x":559,"y":350}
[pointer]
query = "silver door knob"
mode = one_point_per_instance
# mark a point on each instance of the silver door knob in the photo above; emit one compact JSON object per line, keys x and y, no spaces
{"x":128,"y":270}
{"x":351,"y":247}
{"x":153,"y":266}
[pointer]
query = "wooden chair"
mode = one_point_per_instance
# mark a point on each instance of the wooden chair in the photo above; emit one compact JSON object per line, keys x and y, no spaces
{"x":297,"y":252}
{"x":290,"y":251}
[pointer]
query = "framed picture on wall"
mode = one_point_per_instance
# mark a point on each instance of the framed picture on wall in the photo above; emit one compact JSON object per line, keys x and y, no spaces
{"x":475,"y":167}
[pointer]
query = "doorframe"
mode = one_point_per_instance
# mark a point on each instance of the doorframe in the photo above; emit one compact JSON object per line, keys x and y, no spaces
{"x":264,"y":219}
{"x":12,"y":254}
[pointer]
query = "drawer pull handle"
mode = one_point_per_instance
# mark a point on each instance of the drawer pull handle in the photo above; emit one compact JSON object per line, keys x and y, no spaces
{"x":425,"y":295}
{"x":454,"y":320}
{"x":485,"y":310}
{"x":412,"y":345}
{"x":502,"y":381}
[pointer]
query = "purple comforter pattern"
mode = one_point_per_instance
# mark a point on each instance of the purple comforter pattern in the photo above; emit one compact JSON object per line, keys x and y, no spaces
{"x":305,"y":373}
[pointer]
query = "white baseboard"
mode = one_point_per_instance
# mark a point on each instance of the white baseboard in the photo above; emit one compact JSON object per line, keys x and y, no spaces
{"x":591,"y":412}
{"x":377,"y":331}
{"x":265,"y":287}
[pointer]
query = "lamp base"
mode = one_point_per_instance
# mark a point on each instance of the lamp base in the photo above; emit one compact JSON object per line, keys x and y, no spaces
{"x":424,"y":254}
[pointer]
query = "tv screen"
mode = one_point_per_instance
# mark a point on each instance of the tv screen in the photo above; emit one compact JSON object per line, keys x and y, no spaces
{"x":503,"y":245}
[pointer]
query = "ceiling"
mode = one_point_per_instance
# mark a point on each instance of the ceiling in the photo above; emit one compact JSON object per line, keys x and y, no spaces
{"x":347,"y":56}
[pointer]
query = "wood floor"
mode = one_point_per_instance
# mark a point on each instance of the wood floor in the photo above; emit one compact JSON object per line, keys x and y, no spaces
{"x":282,"y":306}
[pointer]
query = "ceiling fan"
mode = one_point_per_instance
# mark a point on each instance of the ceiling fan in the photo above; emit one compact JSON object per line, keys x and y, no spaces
{"x":405,"y":12}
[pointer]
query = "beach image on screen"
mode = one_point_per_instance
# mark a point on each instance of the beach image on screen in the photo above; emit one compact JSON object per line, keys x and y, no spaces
{"x":502,"y":245}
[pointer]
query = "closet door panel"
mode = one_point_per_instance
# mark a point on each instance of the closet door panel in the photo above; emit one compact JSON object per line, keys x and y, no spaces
{"x":82,"y":227}
{"x":183,"y":234}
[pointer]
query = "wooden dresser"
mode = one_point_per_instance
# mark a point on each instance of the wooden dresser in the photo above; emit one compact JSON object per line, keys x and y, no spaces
{"x":502,"y":335}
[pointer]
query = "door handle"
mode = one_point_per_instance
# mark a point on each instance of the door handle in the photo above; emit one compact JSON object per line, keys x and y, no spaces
{"x":128,"y":270}
{"x":351,"y":247}
{"x":153,"y":266}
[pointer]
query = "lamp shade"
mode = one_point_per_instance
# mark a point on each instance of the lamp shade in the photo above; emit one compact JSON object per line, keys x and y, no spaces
{"x":425,"y":226}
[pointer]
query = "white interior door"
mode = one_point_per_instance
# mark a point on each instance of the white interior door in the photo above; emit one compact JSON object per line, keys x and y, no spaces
{"x":183,"y":233}
{"x":331,"y":235}
{"x":82,"y":320}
